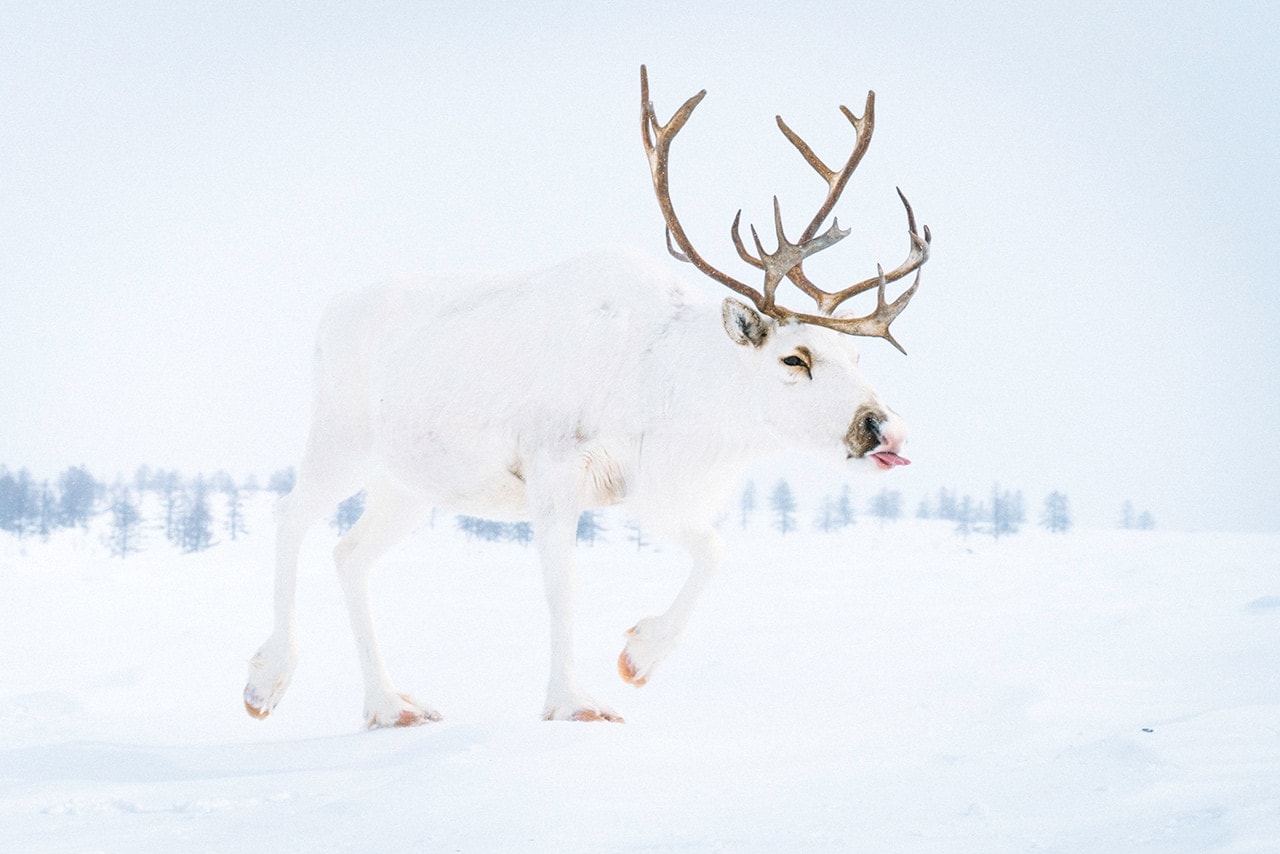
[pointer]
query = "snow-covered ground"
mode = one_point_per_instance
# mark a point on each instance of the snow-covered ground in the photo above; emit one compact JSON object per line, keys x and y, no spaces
{"x":886,"y":688}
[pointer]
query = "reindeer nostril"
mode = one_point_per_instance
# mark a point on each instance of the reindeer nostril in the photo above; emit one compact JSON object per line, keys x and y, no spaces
{"x":865,"y":434}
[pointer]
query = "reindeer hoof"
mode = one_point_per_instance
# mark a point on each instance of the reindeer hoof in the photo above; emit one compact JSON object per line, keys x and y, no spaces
{"x":648,"y":643}
{"x":406,"y":712}
{"x":258,"y":702}
{"x":582,"y":710}
{"x":587,"y":716}
{"x":627,"y":670}
{"x":417,"y":718}
{"x":270,"y":671}
{"x":255,"y":711}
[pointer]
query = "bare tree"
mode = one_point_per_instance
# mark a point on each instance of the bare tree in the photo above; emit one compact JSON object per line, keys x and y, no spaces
{"x":16,"y":501}
{"x":826,"y":521}
{"x":886,"y":505}
{"x":635,"y":534}
{"x":235,"y":523}
{"x":1007,"y":514}
{"x":966,"y":516}
{"x":589,"y":527}
{"x":348,"y":512}
{"x":836,"y":513}
{"x":783,"y":504}
{"x":1056,"y":515}
{"x":168,"y":485}
{"x":77,"y":492}
{"x":126,"y":523}
{"x":845,"y":514}
{"x":948,"y":507}
{"x":748,"y":502}
{"x":281,"y":482}
{"x":923,"y":510}
{"x":195,"y":522}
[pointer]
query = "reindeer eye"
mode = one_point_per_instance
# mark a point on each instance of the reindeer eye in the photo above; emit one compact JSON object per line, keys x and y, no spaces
{"x":796,"y":361}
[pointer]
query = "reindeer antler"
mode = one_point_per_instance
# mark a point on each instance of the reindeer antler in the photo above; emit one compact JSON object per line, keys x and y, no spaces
{"x":787,"y":260}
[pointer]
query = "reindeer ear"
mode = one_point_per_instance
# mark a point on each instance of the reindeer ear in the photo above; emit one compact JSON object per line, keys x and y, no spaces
{"x":743,"y":324}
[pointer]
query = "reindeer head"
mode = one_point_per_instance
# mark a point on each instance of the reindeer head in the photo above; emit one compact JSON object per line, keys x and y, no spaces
{"x":810,"y":389}
{"x":806,"y":354}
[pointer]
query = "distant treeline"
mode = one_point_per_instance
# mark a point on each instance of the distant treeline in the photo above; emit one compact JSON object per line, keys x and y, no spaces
{"x":193,"y":513}
{"x":1000,"y":513}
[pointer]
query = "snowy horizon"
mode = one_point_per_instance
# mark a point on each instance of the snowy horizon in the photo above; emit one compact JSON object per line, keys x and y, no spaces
{"x":31,"y":505}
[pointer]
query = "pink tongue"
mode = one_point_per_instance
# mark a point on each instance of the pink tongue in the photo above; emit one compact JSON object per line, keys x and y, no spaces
{"x":890,"y":459}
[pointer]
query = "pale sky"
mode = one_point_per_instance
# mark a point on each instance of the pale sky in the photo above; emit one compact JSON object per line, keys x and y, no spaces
{"x":183,"y":188}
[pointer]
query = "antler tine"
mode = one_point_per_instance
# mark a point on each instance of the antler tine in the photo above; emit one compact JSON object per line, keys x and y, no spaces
{"x":807,"y":152}
{"x":786,"y":261}
{"x":736,"y":234}
{"x":863,"y":126}
{"x":831,"y":236}
{"x":875,"y":324}
{"x":663,"y":133}
{"x":676,"y":253}
{"x":657,"y":139}
{"x":916,"y":257}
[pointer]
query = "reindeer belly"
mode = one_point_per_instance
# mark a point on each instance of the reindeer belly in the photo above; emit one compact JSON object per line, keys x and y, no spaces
{"x":461,"y":423}
{"x":459,"y":469}
{"x":481,"y":471}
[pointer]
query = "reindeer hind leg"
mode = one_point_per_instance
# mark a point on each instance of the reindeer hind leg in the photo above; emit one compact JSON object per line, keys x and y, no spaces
{"x":271,"y":668}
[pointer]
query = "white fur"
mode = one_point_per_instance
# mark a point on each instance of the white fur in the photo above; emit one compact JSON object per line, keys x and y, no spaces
{"x":538,"y":396}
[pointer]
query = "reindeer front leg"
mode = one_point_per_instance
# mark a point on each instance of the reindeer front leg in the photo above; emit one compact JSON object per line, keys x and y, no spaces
{"x":554,"y":499}
{"x":651,"y":639}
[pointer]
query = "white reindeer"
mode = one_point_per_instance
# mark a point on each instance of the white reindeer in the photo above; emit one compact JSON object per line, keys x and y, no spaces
{"x":595,"y":382}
